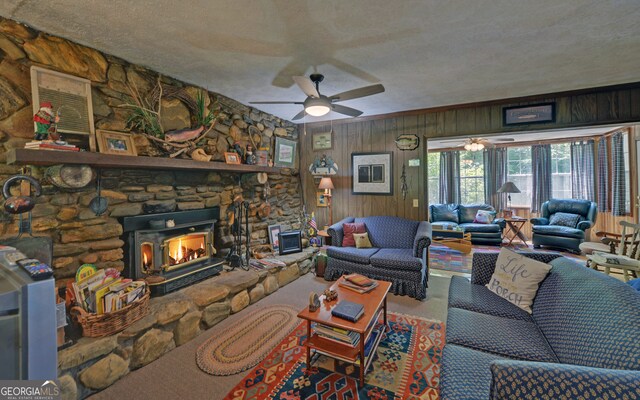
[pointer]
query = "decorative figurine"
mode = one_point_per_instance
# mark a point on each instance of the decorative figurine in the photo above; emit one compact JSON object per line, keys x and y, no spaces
{"x":249,"y":157}
{"x":46,"y":122}
{"x":238,"y":149}
{"x":330,"y":295}
{"x":314,"y":302}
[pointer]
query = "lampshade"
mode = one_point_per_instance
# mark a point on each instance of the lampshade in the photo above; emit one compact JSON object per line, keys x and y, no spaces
{"x":326,"y":183}
{"x":508,"y":187}
{"x":316,"y":107}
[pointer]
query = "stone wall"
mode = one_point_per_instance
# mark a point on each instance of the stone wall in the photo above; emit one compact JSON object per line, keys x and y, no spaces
{"x":78,"y":235}
{"x":92,"y":364}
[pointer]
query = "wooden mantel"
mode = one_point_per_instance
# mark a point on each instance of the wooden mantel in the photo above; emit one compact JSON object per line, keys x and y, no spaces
{"x":98,"y":160}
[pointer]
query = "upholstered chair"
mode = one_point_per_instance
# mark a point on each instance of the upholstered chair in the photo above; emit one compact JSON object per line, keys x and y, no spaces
{"x":563,"y":223}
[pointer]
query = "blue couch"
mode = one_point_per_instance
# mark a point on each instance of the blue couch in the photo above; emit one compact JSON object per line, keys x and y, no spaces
{"x":581,"y":341}
{"x":399,"y":254}
{"x":463,"y":215}
{"x":560,"y":236}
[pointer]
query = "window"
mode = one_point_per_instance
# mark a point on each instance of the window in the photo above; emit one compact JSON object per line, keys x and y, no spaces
{"x":433,"y":177}
{"x":471,"y":177}
{"x":519,"y":172}
{"x":561,"y":171}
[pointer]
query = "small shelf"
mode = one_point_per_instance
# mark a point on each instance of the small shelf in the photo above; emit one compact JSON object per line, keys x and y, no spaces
{"x":98,"y":160}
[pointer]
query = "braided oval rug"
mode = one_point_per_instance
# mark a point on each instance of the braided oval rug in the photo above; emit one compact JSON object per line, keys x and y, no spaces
{"x":247,"y":343}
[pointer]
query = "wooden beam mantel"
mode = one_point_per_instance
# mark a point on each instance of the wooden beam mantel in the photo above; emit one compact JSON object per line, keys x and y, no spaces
{"x":97,"y":160}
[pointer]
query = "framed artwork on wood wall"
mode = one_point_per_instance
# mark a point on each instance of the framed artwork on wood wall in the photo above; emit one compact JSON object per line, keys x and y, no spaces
{"x":372,"y":173}
{"x":323,"y":141}
{"x":533,"y":114}
{"x":321,"y":199}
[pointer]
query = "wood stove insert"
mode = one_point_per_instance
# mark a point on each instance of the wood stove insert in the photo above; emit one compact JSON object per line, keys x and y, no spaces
{"x":171,"y":257}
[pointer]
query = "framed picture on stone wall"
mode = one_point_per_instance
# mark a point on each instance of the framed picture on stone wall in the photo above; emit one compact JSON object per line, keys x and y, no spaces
{"x":285,"y":153}
{"x":119,"y":143}
{"x":372,"y":173}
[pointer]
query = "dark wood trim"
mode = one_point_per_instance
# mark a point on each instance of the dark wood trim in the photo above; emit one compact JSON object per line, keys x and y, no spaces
{"x":522,"y":99}
{"x":532,"y":142}
{"x":45,"y":157}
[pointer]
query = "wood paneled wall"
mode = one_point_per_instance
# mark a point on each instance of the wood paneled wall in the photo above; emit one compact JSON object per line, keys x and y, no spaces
{"x":601,"y":107}
{"x":366,"y":136}
{"x":589,"y":107}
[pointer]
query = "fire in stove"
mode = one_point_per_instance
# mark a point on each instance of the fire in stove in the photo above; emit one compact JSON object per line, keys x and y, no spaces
{"x":185,"y":248}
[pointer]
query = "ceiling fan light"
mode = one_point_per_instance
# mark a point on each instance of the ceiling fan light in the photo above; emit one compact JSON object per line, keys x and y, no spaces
{"x":480,"y":146}
{"x":467,"y":146}
{"x":317,"y":110}
{"x":316,"y":107}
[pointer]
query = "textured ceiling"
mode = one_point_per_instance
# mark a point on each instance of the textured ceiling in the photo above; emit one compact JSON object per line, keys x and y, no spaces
{"x":426,"y":53}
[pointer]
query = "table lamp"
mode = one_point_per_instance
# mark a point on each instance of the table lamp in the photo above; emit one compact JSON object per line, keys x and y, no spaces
{"x":327,"y":185}
{"x":508,"y":188}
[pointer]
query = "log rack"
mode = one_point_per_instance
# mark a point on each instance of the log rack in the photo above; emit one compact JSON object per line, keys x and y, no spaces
{"x":98,"y":160}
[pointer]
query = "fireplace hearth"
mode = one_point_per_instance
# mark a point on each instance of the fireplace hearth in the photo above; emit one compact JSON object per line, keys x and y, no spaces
{"x":174,"y":256}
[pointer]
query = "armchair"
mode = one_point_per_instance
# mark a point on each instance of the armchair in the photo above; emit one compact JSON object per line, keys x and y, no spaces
{"x":562,"y":223}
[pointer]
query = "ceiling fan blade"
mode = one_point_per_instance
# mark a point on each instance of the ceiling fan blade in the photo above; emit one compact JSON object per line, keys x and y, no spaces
{"x":451,"y":140}
{"x":357,"y":93}
{"x":275,"y":102}
{"x":306,"y":85}
{"x":352,"y":112}
{"x":299,"y":115}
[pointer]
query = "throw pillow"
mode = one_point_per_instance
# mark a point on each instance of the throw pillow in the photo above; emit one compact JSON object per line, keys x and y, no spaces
{"x":484,"y":217}
{"x":362,"y":240}
{"x":564,"y":219}
{"x":348,"y":230}
{"x":516,"y":278}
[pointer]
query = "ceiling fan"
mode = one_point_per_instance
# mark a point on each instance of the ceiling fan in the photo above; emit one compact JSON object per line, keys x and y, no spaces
{"x":317,"y":104}
{"x":476,"y":144}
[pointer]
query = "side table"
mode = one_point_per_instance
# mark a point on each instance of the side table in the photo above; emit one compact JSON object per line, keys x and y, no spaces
{"x":326,"y":238}
{"x":514,"y":230}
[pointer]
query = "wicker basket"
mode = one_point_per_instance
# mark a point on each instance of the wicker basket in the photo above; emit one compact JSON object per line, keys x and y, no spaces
{"x":94,"y":325}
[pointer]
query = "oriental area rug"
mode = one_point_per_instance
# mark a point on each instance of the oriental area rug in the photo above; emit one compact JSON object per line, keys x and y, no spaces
{"x":406,"y":366}
{"x":248,"y":342}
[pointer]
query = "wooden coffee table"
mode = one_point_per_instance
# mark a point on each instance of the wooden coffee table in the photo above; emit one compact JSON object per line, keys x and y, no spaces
{"x":375,"y":305}
{"x":454,"y":239}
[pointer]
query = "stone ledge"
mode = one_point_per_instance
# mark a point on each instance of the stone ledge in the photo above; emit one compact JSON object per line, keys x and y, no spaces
{"x":174,"y":320}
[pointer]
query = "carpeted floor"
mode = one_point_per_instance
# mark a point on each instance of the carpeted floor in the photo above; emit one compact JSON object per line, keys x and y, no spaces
{"x":444,"y":258}
{"x":176,"y":375}
{"x":405,"y":365}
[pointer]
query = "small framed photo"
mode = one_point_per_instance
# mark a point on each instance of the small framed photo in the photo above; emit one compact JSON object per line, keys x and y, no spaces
{"x":322,"y":141}
{"x":321,"y":199}
{"x":533,"y":114}
{"x":285,"y":153}
{"x":231,"y":158}
{"x":119,"y":143}
{"x":274,"y":231}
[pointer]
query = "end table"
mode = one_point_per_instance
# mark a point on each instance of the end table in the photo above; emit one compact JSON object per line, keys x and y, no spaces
{"x":514,"y":230}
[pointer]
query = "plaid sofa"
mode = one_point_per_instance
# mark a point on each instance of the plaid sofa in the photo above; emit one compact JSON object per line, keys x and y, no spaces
{"x":399,"y":254}
{"x":581,"y":341}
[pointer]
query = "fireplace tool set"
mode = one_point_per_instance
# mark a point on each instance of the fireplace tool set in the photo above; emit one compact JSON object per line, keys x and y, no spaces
{"x":239,"y":215}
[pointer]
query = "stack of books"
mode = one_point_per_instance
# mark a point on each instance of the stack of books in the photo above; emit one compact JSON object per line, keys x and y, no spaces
{"x":337,"y":335}
{"x":50,"y":145}
{"x":266,"y":263}
{"x":101,"y":292}
{"x":357,"y":283}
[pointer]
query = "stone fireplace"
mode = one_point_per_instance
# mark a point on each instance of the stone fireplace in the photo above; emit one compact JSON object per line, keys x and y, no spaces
{"x":174,"y":255}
